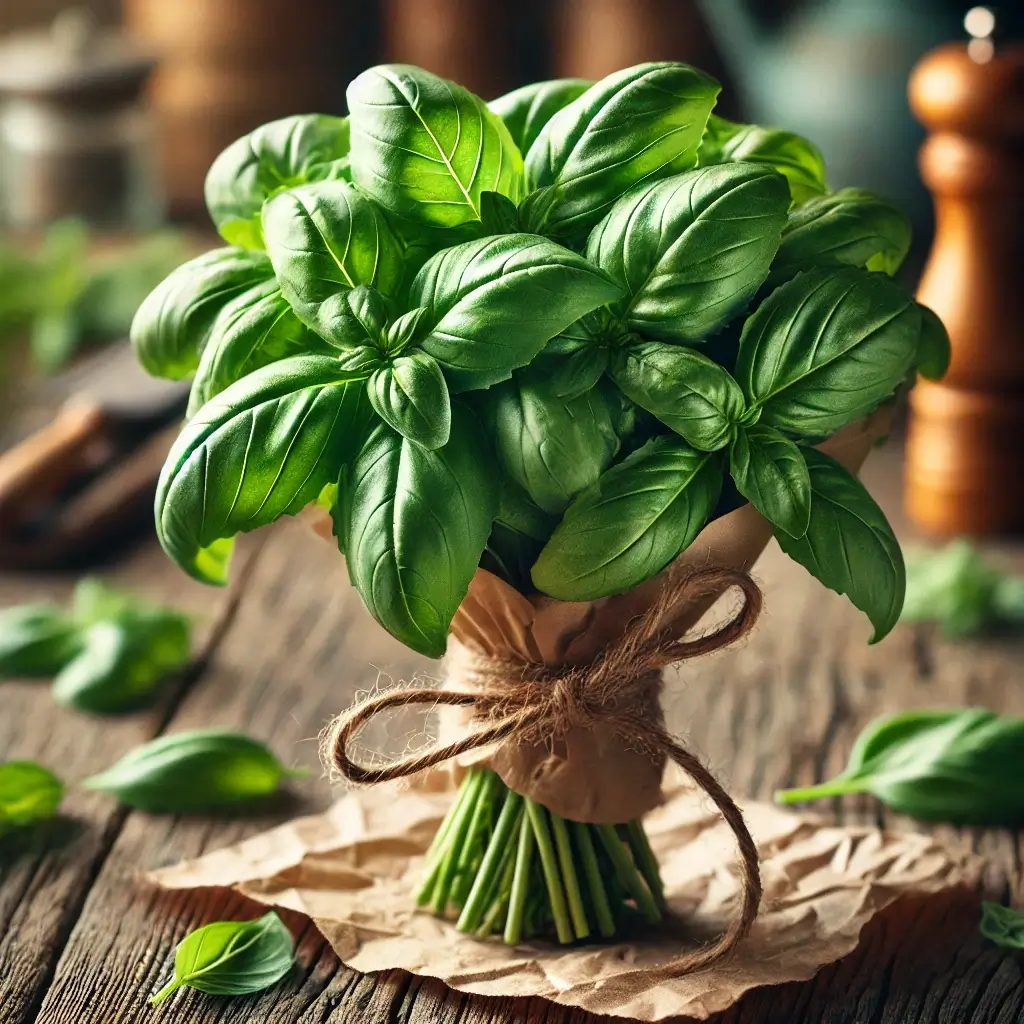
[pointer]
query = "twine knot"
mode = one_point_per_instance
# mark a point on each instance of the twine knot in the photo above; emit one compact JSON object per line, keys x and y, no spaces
{"x":529,"y":703}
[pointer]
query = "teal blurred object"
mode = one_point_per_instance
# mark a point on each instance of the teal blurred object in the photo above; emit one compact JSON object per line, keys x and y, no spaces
{"x":836,"y":71}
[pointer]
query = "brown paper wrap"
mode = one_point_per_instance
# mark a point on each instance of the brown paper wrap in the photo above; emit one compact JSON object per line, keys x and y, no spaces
{"x":354,"y":869}
{"x":592,"y":774}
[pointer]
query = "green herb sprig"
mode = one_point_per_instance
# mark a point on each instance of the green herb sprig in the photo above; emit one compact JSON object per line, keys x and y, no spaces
{"x":231,"y":958}
{"x":962,"y":767}
{"x":1002,"y":925}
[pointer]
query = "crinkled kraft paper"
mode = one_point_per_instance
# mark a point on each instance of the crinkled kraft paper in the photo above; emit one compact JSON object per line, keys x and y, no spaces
{"x":353,"y":870}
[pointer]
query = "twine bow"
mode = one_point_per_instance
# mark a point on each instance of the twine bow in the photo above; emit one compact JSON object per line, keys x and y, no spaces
{"x":531,"y":703}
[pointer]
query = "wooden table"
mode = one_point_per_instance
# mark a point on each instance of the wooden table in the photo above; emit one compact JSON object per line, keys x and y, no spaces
{"x":83,"y":941}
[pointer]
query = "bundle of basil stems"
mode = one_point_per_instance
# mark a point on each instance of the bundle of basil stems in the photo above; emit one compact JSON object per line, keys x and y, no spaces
{"x":551,"y":336}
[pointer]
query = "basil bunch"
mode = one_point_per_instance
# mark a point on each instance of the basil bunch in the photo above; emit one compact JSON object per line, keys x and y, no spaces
{"x":553,"y":335}
{"x":955,"y":766}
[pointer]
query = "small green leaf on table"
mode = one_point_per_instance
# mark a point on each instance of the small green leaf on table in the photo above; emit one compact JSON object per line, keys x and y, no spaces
{"x":28,"y":793}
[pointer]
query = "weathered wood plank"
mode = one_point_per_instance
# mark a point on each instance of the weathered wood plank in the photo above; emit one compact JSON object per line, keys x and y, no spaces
{"x":45,"y":873}
{"x":782,"y":710}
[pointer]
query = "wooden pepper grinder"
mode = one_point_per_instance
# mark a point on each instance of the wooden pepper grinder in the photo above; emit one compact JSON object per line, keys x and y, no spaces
{"x":965,"y":446}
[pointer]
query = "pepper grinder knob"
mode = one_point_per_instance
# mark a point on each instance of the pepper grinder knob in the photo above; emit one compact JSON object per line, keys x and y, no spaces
{"x":965,"y":445}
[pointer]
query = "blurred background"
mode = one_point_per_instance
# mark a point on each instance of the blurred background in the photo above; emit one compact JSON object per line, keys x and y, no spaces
{"x":111,"y":113}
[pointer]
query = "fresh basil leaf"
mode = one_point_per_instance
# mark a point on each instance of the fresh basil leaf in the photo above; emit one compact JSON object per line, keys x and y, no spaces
{"x":263,"y":448}
{"x":361,"y":361}
{"x":793,"y":156}
{"x":849,"y":545}
{"x":232,"y":958}
{"x":416,"y":523}
{"x":954,"y":766}
{"x":409,"y":394}
{"x":36,"y":640}
{"x":827,"y":348}
{"x":28,"y":793}
{"x":636,"y":125}
{"x":852,"y":227}
{"x":255,"y":329}
{"x":498,"y":214}
{"x":406,"y":330}
{"x":518,"y":511}
{"x":370,"y":310}
{"x":552,"y":447}
{"x":197,"y":770}
{"x":426,"y":148}
{"x":526,"y":110}
{"x":691,"y":250}
{"x":686,"y":391}
{"x":592,"y":330}
{"x":933,"y":351}
{"x":478,"y":293}
{"x":771,"y":474}
{"x":325,"y":240}
{"x":632,"y":523}
{"x":171,"y":327}
{"x":510,"y":555}
{"x":575,"y":374}
{"x":124,"y":660}
{"x":1002,"y":925}
{"x":275,"y":157}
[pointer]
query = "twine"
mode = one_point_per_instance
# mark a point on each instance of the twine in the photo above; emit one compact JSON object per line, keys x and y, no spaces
{"x":535,"y":703}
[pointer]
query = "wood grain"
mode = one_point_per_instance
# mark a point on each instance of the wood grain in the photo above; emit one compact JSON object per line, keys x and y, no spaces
{"x":784,"y":709}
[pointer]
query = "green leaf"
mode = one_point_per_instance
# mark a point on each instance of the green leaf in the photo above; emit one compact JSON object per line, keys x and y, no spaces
{"x":187,"y":772}
{"x":410,"y":395}
{"x":55,"y":337}
{"x":852,"y":227}
{"x":518,"y":511}
{"x":232,"y":958}
{"x":324,"y":240}
{"x":426,"y":148}
{"x":575,"y":374}
{"x":124,"y":660}
{"x":960,"y":766}
{"x":1002,"y":925}
{"x":407,"y":330}
{"x":849,"y":544}
{"x":255,"y":329}
{"x":686,"y":391}
{"x":526,"y":110}
{"x":691,"y":250}
{"x":793,"y":156}
{"x":273,"y":158}
{"x":479,"y":293}
{"x":416,"y":522}
{"x":36,"y":640}
{"x":552,"y":447}
{"x":827,"y":348}
{"x":933,"y":352}
{"x":770,"y":472}
{"x":498,"y":214}
{"x":94,"y":601}
{"x":261,"y":449}
{"x":28,"y":793}
{"x":632,"y":523}
{"x":956,"y":587}
{"x":172,"y":325}
{"x":636,"y":125}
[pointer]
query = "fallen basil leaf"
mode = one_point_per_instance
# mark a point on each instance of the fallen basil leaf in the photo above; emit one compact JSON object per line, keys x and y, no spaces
{"x":628,"y":526}
{"x":36,"y":640}
{"x":962,"y":767}
{"x":28,"y":793}
{"x":232,"y":958}
{"x":1002,"y":925}
{"x":276,"y":156}
{"x":123,"y":661}
{"x":198,"y":770}
{"x":849,"y":545}
{"x":95,"y":601}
